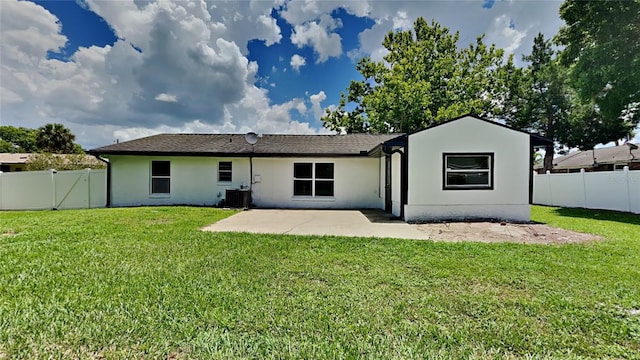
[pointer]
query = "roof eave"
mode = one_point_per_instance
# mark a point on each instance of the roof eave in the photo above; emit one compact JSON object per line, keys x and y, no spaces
{"x":224,"y":154}
{"x":538,"y":140}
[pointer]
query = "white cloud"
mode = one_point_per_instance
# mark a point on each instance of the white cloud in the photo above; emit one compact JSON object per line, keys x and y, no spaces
{"x":371,"y":40}
{"x":461,"y":16}
{"x":298,"y":12}
{"x":166,"y":97}
{"x":318,"y":35}
{"x":316,"y":99}
{"x":504,"y":34}
{"x":191,"y":74}
{"x":235,"y":21}
{"x":297,"y":62}
{"x":28,"y":29}
{"x":301,"y":107}
{"x":402,"y":21}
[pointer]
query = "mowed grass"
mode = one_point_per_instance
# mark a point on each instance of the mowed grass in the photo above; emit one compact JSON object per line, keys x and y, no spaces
{"x":146,"y":283}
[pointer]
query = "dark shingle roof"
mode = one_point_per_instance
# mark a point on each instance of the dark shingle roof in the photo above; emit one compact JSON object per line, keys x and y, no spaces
{"x":235,"y":144}
{"x":608,"y":155}
{"x":584,"y":159}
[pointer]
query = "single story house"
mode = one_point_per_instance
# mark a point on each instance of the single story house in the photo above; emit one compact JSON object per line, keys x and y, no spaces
{"x":613,"y":158}
{"x":13,"y":162}
{"x":460,"y":169}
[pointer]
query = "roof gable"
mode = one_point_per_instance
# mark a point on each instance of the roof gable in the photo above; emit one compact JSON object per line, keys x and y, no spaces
{"x":536,"y":139}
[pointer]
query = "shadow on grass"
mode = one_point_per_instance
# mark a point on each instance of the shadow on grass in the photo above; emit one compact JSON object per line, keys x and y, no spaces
{"x":596,"y":214}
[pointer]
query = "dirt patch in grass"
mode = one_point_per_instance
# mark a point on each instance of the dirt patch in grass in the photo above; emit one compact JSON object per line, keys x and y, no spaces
{"x":503,"y":232}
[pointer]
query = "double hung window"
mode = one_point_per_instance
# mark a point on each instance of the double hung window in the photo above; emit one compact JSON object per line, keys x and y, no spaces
{"x":160,"y":177}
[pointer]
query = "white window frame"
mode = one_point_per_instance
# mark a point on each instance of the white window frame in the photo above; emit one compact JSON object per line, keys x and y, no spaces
{"x":313,"y":180}
{"x":153,"y":177}
{"x":230,"y":172}
{"x":446,"y":171}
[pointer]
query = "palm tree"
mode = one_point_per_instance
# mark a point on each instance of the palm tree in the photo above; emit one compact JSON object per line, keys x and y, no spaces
{"x":55,"y":138}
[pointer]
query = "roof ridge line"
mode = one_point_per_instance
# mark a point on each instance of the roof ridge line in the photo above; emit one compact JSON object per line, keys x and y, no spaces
{"x":270,"y":134}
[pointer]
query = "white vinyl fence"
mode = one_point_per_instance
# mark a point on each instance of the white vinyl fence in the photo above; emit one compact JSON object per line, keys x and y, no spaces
{"x":610,"y":190}
{"x":35,"y":190}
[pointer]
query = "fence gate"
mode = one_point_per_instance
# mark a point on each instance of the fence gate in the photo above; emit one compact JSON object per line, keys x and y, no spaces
{"x":36,"y":190}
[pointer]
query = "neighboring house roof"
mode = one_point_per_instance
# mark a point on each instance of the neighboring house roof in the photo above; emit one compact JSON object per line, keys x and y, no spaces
{"x":608,"y":155}
{"x":235,"y":145}
{"x":23,"y":158}
{"x":11,"y":158}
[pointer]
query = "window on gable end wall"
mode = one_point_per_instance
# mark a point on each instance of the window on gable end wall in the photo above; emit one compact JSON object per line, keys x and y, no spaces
{"x":313,"y":179}
{"x":467,"y":171}
{"x":160,"y":177}
{"x":225,"y":171}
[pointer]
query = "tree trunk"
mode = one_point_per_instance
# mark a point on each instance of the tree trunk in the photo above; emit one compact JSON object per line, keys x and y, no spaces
{"x":548,"y":158}
{"x":551,"y":133}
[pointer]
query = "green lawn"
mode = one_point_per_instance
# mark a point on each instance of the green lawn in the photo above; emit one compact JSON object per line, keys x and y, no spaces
{"x":145,"y":282}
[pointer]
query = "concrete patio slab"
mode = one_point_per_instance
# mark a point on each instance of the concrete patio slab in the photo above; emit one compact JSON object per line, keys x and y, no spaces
{"x":375,"y":223}
{"x":356,"y":223}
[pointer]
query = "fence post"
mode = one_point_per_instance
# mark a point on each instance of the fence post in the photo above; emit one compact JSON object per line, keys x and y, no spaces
{"x":53,"y":188}
{"x":584,"y":188}
{"x":550,"y":192}
{"x":88,"y":188}
{"x":1,"y":203}
{"x":626,"y":176}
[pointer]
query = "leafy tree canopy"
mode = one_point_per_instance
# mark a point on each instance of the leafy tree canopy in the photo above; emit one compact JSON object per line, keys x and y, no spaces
{"x":603,"y":52}
{"x":51,"y":138}
{"x":425,"y":78}
{"x":17,"y":139}
{"x":57,"y":139}
{"x":537,"y":98}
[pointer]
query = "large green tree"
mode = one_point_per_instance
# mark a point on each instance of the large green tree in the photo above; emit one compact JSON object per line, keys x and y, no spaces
{"x":586,"y":127}
{"x":57,"y":139}
{"x":424,"y":78}
{"x":17,"y":139}
{"x":538,"y":99}
{"x":602,"y":48}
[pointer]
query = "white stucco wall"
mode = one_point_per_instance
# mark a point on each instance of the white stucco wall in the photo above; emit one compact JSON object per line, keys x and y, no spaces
{"x":194,"y":180}
{"x":509,"y":198}
{"x":396,"y":184}
{"x":356,"y":184}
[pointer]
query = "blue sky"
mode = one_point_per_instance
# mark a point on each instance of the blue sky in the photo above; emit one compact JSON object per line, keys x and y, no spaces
{"x":82,"y":27}
{"x":85,"y":28}
{"x":332,"y":76}
{"x":125,"y":69}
